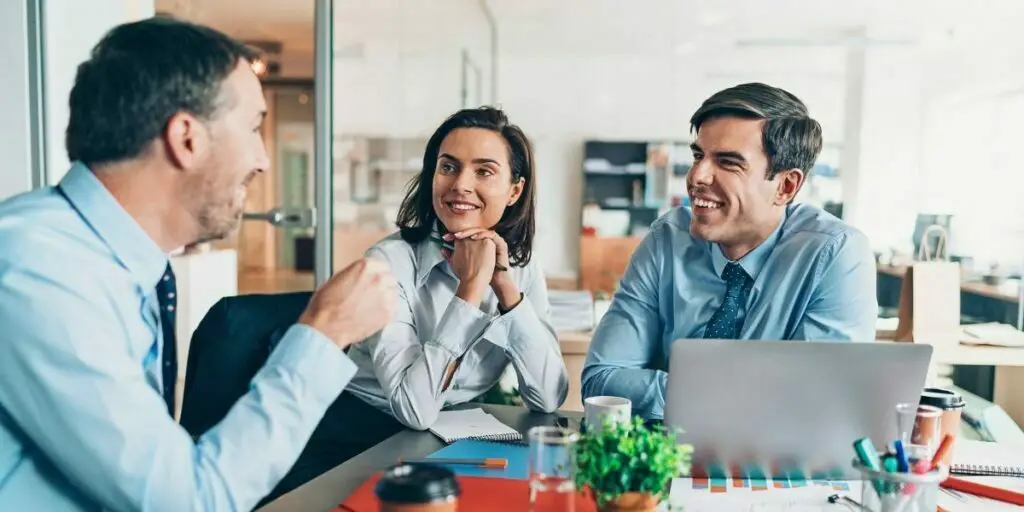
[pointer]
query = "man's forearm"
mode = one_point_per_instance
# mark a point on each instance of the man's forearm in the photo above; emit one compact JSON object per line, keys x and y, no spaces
{"x":285,"y":403}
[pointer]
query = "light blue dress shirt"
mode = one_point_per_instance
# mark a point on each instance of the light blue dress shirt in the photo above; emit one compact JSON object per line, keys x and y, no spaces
{"x":402,"y":367}
{"x":813,"y":279}
{"x":82,"y":422}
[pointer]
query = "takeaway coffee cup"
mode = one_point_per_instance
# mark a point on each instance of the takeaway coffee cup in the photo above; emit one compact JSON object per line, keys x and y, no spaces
{"x":952,"y":406}
{"x":417,"y":488}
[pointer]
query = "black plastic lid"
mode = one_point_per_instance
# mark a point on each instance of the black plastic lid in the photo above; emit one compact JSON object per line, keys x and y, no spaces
{"x":942,"y":398}
{"x":417,"y":483}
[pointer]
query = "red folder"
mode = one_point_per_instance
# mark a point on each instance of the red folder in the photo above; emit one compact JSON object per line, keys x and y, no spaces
{"x":478,"y":493}
{"x":985,"y":491}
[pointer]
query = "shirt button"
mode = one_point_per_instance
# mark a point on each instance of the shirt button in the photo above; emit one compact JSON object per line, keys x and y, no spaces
{"x":170,"y":295}
{"x":170,"y":308}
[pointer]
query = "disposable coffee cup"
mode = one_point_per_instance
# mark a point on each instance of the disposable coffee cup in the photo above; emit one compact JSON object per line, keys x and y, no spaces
{"x":417,"y":488}
{"x":952,"y":406}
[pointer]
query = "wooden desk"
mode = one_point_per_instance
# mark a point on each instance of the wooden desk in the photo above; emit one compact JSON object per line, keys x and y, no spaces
{"x":975,"y":287}
{"x":331,"y":488}
{"x":574,"y":347}
{"x":978,"y":367}
{"x":1008,"y":381}
{"x":979,"y":355}
{"x":1008,"y":389}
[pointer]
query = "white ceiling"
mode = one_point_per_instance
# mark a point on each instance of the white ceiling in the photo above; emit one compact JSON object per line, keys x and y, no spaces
{"x":721,"y":38}
{"x":601,"y":26}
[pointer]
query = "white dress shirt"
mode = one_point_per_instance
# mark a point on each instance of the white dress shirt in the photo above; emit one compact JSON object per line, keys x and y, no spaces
{"x":402,"y":368}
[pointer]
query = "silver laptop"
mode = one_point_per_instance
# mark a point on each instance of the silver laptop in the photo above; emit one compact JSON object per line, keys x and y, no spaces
{"x":784,"y":406}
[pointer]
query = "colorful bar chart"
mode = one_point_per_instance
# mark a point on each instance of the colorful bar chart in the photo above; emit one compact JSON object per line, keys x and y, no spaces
{"x":780,"y":475}
{"x":719,"y":485}
{"x":738,"y":476}
{"x":743,"y":485}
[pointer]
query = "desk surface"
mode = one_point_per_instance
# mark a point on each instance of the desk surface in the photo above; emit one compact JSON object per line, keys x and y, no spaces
{"x":976,"y":287}
{"x":978,"y":355}
{"x":958,"y":354}
{"x":331,"y":488}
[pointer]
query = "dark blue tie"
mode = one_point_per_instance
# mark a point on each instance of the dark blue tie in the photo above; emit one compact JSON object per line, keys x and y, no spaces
{"x":724,"y":324}
{"x":167,"y":296}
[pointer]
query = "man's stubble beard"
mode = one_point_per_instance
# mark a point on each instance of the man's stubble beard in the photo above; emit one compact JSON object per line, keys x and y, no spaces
{"x":216,"y":223}
{"x":217,"y":215}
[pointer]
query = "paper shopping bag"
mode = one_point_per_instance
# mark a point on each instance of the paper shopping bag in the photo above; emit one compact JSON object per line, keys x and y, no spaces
{"x":929,"y":308}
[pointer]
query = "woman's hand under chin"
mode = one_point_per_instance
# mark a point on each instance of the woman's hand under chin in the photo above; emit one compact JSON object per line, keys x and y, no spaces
{"x":500,"y":279}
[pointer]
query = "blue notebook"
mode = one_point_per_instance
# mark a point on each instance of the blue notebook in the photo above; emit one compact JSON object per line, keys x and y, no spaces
{"x":517,"y":455}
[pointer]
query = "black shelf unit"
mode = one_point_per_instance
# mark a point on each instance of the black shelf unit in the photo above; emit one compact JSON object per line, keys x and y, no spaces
{"x":621,"y":184}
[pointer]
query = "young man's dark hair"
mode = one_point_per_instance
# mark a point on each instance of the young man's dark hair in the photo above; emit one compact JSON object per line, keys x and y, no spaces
{"x":113,"y":120}
{"x":791,"y":138}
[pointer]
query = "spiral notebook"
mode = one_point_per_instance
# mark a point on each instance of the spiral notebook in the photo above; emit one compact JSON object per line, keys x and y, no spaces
{"x":452,"y":426}
{"x":987,"y":459}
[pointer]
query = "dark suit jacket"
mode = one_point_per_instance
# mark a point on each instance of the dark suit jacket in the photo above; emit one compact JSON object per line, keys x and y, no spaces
{"x":230,"y":345}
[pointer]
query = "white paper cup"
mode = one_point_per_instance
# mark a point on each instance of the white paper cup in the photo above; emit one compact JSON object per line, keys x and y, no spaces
{"x":613,"y":409}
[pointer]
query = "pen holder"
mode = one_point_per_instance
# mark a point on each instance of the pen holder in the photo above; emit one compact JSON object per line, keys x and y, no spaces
{"x":900,"y":492}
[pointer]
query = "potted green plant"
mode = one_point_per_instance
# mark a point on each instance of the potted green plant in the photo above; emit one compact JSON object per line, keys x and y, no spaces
{"x":629,"y":466}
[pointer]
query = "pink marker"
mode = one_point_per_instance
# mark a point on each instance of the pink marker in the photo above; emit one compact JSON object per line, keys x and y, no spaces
{"x":920,"y":467}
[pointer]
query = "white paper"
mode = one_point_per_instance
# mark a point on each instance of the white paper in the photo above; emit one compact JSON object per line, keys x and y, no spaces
{"x":469,"y":423}
{"x":811,"y":497}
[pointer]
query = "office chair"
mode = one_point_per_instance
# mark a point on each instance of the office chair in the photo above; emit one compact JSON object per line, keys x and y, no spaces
{"x":236,"y":330}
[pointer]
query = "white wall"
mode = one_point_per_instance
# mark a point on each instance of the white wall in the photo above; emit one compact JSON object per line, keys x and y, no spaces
{"x":398,"y":67}
{"x":935,"y":130}
{"x":882,"y":161}
{"x":391,"y":94}
{"x":15,"y":173}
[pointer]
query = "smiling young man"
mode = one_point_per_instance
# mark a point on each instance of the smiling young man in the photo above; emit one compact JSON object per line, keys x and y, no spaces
{"x":744,"y":262}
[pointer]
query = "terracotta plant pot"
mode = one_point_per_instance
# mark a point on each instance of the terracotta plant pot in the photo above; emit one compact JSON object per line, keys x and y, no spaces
{"x":632,"y":502}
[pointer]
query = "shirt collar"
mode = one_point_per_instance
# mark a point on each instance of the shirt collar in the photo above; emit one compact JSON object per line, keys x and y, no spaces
{"x":428,"y":256}
{"x":754,"y":260}
{"x":132,"y":246}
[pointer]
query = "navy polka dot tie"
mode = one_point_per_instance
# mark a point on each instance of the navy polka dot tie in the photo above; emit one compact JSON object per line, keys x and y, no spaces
{"x":166,"y":294}
{"x":724,"y":323}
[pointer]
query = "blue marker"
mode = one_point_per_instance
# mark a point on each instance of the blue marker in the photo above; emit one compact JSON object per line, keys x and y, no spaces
{"x":902,"y":464}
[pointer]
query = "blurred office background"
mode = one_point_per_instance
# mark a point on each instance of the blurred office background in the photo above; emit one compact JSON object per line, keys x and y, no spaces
{"x":920,"y":101}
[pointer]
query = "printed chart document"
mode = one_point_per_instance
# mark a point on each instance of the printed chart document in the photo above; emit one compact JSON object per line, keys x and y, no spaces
{"x":767,"y":494}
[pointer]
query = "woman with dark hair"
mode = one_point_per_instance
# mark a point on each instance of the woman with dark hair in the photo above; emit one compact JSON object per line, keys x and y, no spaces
{"x":470,"y":300}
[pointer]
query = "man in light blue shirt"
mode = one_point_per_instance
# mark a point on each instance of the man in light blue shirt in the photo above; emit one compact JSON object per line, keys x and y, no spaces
{"x":165,"y":131}
{"x":743,"y":262}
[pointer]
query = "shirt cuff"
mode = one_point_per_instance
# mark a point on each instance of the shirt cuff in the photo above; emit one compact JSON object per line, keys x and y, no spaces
{"x":460,"y":325}
{"x":319,"y":368}
{"x":500,"y":330}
